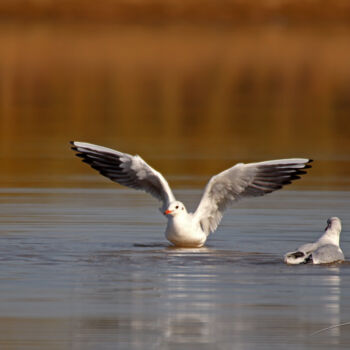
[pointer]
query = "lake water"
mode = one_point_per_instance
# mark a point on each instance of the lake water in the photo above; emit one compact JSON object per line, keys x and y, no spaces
{"x":91,"y":269}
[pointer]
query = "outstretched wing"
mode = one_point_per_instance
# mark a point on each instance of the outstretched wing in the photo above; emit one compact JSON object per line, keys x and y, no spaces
{"x":245,"y":180}
{"x":125,"y":169}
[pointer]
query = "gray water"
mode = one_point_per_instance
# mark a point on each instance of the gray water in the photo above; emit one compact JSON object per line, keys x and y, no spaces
{"x":91,"y":269}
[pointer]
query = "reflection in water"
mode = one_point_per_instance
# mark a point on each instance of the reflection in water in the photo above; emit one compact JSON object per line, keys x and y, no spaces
{"x":332,"y":303}
{"x":202,"y":297}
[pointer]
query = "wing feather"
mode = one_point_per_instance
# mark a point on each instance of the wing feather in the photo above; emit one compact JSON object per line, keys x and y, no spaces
{"x":245,"y":180}
{"x":125,"y":169}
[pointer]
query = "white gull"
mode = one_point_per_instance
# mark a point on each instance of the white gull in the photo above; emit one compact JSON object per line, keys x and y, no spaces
{"x":324,"y":251}
{"x":192,"y":229}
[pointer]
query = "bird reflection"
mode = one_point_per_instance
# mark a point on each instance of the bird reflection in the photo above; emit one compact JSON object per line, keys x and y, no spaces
{"x":332,"y":303}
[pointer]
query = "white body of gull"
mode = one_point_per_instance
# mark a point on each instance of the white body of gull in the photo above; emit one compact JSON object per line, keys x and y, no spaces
{"x":192,"y":229}
{"x":324,"y":251}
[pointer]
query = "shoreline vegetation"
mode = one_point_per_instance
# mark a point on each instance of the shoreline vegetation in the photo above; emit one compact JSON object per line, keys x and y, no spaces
{"x":229,"y":12}
{"x":222,"y":92}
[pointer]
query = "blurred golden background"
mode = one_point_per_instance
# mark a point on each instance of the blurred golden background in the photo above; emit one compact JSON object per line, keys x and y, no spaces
{"x":192,"y":86}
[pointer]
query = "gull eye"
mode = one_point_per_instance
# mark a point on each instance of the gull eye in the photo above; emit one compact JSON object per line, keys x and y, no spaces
{"x":177,"y":207}
{"x":182,"y":208}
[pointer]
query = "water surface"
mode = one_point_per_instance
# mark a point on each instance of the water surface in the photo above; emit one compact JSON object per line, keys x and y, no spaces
{"x":91,"y":269}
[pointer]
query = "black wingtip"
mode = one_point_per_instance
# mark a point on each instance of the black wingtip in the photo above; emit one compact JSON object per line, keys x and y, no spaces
{"x":308,"y":164}
{"x":80,"y":155}
{"x":74,"y":147}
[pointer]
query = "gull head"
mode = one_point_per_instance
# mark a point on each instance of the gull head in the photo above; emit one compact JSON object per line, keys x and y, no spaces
{"x":175,"y":208}
{"x":334,"y":224}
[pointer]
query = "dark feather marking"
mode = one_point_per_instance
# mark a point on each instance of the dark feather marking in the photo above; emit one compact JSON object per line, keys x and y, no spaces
{"x":91,"y":154}
{"x":109,"y":167}
{"x":114,"y":160}
{"x":102,"y":158}
{"x":267,"y":186}
{"x":298,"y":255}
{"x":309,"y":259}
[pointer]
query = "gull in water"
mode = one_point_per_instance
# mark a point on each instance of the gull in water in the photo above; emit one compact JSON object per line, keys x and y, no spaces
{"x":192,"y":229}
{"x":324,"y":251}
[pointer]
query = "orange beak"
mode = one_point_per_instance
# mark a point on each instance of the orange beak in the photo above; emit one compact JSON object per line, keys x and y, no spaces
{"x":167,"y":212}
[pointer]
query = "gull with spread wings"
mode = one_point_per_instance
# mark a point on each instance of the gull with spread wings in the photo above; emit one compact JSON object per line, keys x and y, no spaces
{"x":192,"y":229}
